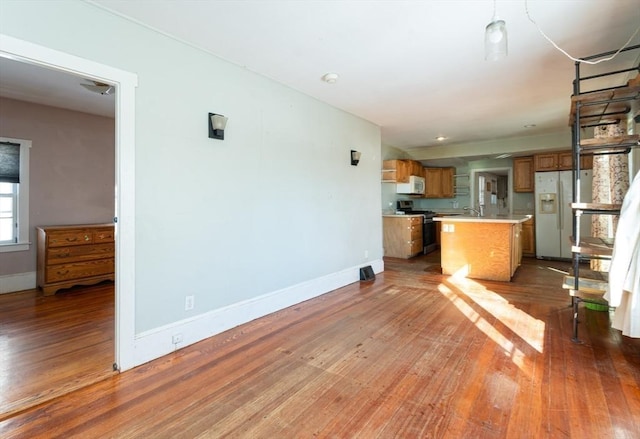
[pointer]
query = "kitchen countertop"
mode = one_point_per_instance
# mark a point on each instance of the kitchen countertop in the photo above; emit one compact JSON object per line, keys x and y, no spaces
{"x":513,"y":219}
{"x":405,"y":215}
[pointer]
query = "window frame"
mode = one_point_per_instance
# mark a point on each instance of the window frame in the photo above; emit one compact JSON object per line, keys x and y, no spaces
{"x":22,"y":243}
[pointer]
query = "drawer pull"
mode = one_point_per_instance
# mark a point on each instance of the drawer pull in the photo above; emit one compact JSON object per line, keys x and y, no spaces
{"x":86,"y":237}
{"x":72,"y":239}
{"x":62,"y":273}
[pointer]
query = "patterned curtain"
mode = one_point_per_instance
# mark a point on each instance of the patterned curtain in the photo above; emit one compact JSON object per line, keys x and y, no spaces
{"x":610,"y":184}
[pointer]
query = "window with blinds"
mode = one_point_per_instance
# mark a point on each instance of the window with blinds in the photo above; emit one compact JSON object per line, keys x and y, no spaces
{"x":14,"y":194}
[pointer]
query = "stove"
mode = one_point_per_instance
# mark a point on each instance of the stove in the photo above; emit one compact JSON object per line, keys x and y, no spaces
{"x":428,"y":225}
{"x":406,"y":206}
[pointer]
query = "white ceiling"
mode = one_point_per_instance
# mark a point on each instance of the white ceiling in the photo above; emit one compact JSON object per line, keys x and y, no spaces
{"x":415,"y":68}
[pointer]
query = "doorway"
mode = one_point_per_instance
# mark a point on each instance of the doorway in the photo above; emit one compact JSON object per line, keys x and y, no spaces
{"x":125,"y":83}
{"x":492,"y":188}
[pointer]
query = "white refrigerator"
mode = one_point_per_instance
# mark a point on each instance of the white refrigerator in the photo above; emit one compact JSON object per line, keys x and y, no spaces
{"x":553,"y":215}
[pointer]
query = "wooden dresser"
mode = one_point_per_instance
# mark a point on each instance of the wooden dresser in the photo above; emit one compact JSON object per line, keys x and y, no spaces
{"x":74,"y":255}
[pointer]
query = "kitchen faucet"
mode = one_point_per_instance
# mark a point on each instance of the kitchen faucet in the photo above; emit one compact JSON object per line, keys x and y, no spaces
{"x":478,"y":212}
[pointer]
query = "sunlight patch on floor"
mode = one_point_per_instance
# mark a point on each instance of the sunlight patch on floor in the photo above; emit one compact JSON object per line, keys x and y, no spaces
{"x":529,"y":329}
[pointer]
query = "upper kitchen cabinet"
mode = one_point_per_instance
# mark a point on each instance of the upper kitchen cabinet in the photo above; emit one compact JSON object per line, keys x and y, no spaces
{"x":399,"y":171}
{"x":560,"y":161}
{"x":523,"y":174}
{"x":439,"y":182}
{"x":416,"y":168}
{"x":549,"y":162}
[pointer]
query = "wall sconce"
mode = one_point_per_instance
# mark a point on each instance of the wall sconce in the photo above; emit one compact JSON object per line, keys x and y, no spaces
{"x":217,"y":122}
{"x":355,"y":157}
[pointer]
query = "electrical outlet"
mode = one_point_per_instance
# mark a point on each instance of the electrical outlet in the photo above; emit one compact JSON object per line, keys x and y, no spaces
{"x":189,"y":302}
{"x":177,"y":338}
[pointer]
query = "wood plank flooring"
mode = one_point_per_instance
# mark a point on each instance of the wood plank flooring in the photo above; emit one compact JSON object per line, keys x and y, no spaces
{"x":52,"y":345}
{"x":414,"y":354}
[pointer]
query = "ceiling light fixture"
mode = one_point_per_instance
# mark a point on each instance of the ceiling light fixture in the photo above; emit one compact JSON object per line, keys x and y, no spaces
{"x":330,"y":78}
{"x":495,"y":38}
{"x":99,"y":87}
{"x":531,"y":125}
{"x":441,"y":138}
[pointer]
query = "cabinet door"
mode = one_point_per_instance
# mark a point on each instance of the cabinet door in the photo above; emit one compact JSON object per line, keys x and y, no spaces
{"x":433,"y":183}
{"x":402,"y":237}
{"x":546,"y":162}
{"x":417,"y":169}
{"x":396,"y":171}
{"x":586,"y":162}
{"x":528,"y":238}
{"x":565,"y":161}
{"x":523,"y":174}
{"x":447,"y":182}
{"x":403,"y":171}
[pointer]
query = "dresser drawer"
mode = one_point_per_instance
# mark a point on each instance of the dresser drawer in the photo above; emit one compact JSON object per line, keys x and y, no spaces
{"x":75,"y":253}
{"x":79,"y":270}
{"x":103,"y":235}
{"x":61,"y":238}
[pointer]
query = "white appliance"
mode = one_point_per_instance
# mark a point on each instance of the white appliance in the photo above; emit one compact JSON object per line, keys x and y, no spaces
{"x":554,"y":217}
{"x":415,"y":186}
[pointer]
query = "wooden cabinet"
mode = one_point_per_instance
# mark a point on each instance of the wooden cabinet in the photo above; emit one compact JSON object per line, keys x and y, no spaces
{"x":560,"y":161}
{"x":448,"y":182}
{"x":399,"y":171}
{"x":529,"y":238}
{"x":565,"y":161}
{"x":439,"y":182}
{"x":523,"y":174}
{"x":480,"y":249}
{"x":416,"y":168}
{"x":516,"y":247}
{"x":74,"y":255}
{"x":586,"y":162}
{"x":402,"y":236}
{"x":546,"y":162}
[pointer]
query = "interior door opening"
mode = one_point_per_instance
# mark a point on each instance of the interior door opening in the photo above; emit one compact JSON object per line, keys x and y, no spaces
{"x":31,"y":55}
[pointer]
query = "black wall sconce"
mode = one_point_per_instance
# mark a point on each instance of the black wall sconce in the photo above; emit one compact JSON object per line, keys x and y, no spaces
{"x":355,"y":157}
{"x":217,"y":123}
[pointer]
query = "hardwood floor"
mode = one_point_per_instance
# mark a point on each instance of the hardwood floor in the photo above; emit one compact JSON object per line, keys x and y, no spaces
{"x":413,"y":354}
{"x":52,"y":345}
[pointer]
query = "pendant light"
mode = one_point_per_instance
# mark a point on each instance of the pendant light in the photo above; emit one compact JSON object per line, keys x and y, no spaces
{"x":495,"y":38}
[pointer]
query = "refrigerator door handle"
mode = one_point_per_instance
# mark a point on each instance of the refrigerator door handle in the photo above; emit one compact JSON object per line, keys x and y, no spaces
{"x":560,"y":204}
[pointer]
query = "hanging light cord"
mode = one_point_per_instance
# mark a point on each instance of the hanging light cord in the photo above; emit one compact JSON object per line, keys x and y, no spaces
{"x":526,"y":7}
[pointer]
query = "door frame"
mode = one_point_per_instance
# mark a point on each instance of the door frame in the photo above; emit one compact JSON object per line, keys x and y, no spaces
{"x":126,"y":83}
{"x":473,"y":186}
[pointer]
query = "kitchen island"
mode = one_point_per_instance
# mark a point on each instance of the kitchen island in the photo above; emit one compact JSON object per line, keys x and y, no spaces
{"x":481,"y":247}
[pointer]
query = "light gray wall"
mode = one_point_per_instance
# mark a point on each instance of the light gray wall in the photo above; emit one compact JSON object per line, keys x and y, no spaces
{"x":275,"y":204}
{"x":71,"y":170}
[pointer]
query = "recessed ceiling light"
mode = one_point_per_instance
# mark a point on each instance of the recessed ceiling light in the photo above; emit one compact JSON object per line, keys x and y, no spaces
{"x":531,"y":125}
{"x":502,"y":156}
{"x":330,"y":78}
{"x":441,"y":138}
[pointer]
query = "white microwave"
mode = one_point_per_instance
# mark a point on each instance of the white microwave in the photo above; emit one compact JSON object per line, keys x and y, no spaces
{"x":415,"y":186}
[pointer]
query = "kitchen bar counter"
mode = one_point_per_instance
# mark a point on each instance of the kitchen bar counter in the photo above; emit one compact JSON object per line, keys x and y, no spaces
{"x":509,"y":219}
{"x":481,"y":247}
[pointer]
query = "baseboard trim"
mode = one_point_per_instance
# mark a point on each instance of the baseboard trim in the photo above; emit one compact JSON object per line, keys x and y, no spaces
{"x":11,"y":283}
{"x":157,"y":342}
